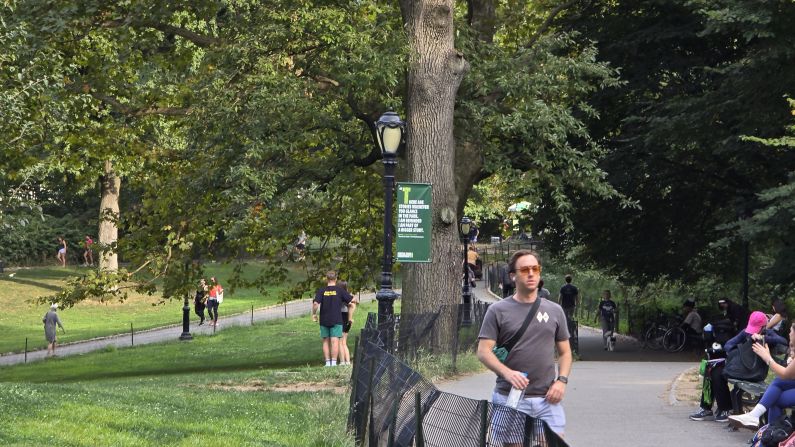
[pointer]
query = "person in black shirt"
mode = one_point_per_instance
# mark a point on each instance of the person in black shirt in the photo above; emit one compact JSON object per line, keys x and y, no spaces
{"x":568,"y":297}
{"x":734,"y":312}
{"x":506,"y":281}
{"x":330,"y":300}
{"x":607,"y":316}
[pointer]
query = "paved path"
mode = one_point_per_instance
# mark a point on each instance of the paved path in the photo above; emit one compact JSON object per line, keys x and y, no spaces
{"x":169,"y":333}
{"x":623,"y":398}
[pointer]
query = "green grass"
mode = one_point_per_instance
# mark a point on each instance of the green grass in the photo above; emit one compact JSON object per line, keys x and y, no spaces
{"x":244,"y":386}
{"x":21,"y":318}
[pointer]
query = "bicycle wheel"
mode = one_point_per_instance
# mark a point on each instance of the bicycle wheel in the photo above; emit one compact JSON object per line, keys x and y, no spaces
{"x":653,"y":337}
{"x":675,"y":339}
{"x":611,"y":343}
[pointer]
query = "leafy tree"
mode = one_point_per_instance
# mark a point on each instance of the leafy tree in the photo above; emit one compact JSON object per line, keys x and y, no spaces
{"x":697,"y":77}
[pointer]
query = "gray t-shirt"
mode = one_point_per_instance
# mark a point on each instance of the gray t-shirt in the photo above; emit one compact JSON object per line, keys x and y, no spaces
{"x":534,"y":353}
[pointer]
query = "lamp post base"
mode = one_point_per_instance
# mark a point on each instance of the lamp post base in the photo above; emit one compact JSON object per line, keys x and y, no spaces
{"x":186,"y":322}
{"x":466,"y":318}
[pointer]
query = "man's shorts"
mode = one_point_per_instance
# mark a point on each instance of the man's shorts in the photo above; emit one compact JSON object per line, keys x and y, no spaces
{"x":508,"y":427}
{"x":331,"y":331}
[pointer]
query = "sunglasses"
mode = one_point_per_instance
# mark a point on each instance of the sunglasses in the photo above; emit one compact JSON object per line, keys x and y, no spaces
{"x":535,"y":269}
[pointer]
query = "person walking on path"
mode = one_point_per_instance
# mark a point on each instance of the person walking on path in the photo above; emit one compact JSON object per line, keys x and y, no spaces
{"x":61,"y":251}
{"x":506,"y":281}
{"x":50,"y":320}
{"x":530,"y":362}
{"x":607,"y":316}
{"x":568,"y":297}
{"x":330,"y":300}
{"x":216,"y":297}
{"x":347,"y":322}
{"x":200,"y":301}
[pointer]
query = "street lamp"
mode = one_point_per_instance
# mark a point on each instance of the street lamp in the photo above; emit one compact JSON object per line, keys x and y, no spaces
{"x":464,"y":227}
{"x":389,"y":130}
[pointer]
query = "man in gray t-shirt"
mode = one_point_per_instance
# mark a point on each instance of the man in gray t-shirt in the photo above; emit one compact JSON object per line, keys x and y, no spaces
{"x":534,"y":353}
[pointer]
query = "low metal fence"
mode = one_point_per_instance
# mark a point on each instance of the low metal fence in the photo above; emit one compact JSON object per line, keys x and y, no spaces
{"x":393,"y":405}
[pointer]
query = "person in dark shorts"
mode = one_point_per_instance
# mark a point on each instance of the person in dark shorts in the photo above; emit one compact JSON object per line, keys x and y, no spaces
{"x":330,"y":300}
{"x":568,"y":297}
{"x":347,"y":322}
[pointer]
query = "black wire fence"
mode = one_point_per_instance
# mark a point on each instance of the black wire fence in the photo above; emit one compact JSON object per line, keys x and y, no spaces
{"x":393,"y":405}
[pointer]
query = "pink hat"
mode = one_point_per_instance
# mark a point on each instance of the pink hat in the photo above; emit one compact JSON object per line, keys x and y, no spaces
{"x":756,"y":322}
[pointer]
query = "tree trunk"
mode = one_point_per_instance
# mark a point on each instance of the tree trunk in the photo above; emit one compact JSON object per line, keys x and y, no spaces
{"x":435,"y":73}
{"x":108,"y":219}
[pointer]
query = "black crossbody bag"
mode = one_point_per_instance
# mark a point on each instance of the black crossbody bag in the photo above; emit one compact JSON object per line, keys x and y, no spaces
{"x":501,"y":352}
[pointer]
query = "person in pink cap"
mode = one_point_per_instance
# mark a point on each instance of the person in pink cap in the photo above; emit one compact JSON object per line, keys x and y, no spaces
{"x":757,"y":330}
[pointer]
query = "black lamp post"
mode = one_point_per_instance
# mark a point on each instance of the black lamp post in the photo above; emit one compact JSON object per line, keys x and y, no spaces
{"x":389,"y":135}
{"x":464,"y":227}
{"x":186,"y":321}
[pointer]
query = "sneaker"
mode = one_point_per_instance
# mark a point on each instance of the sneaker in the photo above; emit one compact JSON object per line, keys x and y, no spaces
{"x":745,"y":421}
{"x":722,"y":416}
{"x":701,"y":415}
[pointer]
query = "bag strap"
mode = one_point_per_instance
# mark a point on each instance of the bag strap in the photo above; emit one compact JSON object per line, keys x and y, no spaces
{"x":528,"y":319}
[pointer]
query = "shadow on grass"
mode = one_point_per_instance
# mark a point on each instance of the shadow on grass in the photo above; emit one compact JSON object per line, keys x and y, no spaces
{"x":29,"y":282}
{"x":94,"y":375}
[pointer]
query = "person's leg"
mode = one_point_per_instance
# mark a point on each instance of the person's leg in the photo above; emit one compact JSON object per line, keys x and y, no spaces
{"x":50,"y":349}
{"x":345,"y":355}
{"x":605,"y":325}
{"x":552,"y":414}
{"x":217,"y":305}
{"x":335,"y":335}
{"x":720,"y":389}
{"x":507,"y":426}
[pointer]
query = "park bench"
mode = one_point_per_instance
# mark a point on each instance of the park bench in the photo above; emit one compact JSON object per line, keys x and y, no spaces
{"x":745,"y":395}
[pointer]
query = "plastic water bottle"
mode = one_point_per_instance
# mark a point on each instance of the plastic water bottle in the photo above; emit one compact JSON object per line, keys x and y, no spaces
{"x":515,"y":396}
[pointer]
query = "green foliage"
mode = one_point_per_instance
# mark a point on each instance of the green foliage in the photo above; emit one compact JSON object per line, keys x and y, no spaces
{"x":34,"y":239}
{"x":698,"y":75}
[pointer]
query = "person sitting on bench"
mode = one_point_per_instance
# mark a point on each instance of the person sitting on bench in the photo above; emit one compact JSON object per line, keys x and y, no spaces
{"x":719,"y":384}
{"x":780,"y":394}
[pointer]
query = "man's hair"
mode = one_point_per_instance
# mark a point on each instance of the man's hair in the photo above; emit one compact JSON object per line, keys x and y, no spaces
{"x":331,"y":275}
{"x":568,"y":279}
{"x":519,"y":254}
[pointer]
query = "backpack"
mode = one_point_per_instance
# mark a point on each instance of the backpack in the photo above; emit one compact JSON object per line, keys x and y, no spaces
{"x":778,"y":432}
{"x":743,"y":364}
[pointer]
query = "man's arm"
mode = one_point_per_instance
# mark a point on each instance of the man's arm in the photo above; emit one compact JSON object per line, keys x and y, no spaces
{"x":558,"y":388}
{"x":315,"y":305}
{"x":487,"y":357}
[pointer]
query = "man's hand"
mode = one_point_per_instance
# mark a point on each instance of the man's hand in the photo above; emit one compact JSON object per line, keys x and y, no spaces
{"x":314,"y":317}
{"x":516,"y":379}
{"x":556,"y":392}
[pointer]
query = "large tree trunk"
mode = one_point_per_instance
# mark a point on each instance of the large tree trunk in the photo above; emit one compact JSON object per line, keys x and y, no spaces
{"x":435,"y":73}
{"x":108,"y":219}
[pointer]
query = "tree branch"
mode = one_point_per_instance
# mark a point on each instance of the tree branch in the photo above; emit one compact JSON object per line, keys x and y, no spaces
{"x":548,"y":21}
{"x":197,"y":39}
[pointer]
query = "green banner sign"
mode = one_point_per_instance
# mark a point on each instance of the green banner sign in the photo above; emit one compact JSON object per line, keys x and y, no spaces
{"x":413,"y":222}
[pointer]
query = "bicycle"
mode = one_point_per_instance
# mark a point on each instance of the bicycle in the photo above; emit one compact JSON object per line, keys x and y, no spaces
{"x":654,"y":333}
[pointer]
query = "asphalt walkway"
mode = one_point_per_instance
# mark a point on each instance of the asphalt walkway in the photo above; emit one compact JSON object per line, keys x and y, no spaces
{"x":625,"y":398}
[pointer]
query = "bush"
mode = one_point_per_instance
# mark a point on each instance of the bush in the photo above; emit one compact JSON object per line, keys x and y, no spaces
{"x":34,"y":240}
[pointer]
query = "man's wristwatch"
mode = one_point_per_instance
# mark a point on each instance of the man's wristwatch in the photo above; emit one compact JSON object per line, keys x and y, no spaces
{"x":563,"y":379}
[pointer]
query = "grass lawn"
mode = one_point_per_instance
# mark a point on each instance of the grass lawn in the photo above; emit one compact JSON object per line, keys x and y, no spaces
{"x":245,"y":386}
{"x":21,"y":318}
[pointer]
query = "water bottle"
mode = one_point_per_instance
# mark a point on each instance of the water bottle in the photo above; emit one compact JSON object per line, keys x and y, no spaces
{"x":515,"y":396}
